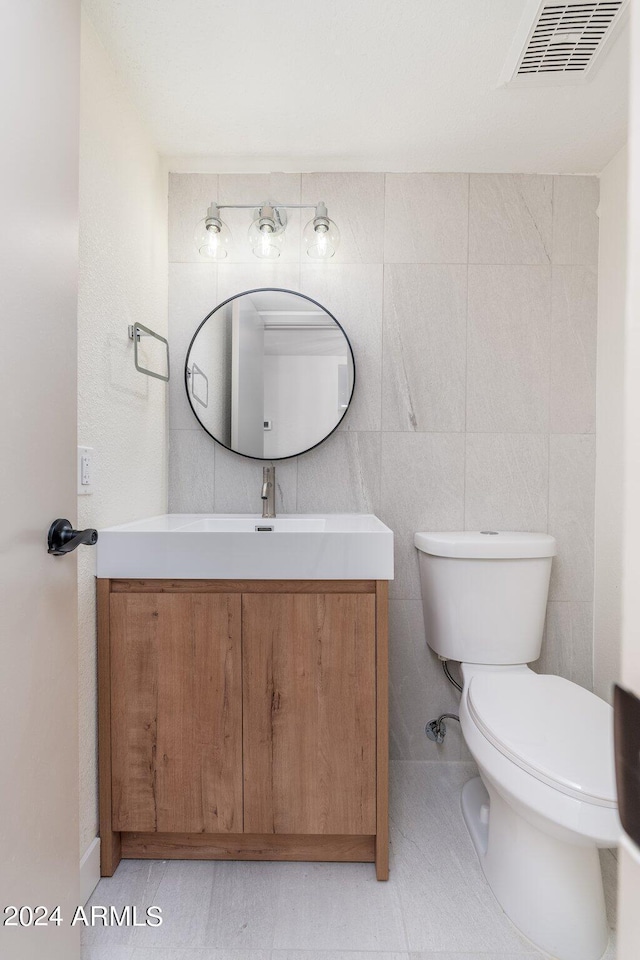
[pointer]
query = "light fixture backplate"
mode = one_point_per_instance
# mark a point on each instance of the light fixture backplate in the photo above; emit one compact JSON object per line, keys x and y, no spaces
{"x":279,"y":214}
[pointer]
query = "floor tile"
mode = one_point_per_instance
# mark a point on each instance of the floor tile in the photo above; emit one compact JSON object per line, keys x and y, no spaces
{"x":336,"y":955}
{"x":435,"y":906}
{"x":94,"y":951}
{"x":438,"y":874}
{"x":197,"y":953}
{"x":134,"y":883}
{"x":475,"y":956}
{"x":214,"y":905}
{"x":327,"y":906}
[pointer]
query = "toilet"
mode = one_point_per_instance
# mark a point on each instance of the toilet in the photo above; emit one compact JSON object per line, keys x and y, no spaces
{"x":546,"y":797}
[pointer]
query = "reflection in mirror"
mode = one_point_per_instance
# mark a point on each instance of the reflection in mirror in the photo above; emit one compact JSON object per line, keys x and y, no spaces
{"x":270,"y":374}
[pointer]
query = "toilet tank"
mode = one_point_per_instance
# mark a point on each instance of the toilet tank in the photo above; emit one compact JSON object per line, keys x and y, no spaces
{"x":484,"y":595}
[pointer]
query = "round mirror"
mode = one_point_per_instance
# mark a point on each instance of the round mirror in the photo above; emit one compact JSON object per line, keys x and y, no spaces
{"x":269,"y":373}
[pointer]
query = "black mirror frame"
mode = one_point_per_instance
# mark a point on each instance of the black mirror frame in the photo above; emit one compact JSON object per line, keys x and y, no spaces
{"x":245,"y":293}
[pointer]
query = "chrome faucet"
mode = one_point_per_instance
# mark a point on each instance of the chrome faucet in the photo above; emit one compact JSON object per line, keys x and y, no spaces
{"x":268,"y":491}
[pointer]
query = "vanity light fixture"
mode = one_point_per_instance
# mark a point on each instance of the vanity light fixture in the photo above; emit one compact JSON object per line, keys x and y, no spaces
{"x":213,"y":235}
{"x":266,"y":233}
{"x":321,"y":235}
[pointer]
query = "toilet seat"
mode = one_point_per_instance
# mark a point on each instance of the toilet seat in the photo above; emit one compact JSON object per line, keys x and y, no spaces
{"x":555,"y":730}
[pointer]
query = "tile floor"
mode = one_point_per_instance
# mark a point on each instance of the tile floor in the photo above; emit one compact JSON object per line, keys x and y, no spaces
{"x":436,"y":906}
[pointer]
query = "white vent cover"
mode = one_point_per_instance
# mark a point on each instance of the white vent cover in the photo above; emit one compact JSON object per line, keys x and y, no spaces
{"x":561,"y":41}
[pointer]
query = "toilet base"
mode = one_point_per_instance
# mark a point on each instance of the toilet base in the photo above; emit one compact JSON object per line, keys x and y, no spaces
{"x":549,"y":888}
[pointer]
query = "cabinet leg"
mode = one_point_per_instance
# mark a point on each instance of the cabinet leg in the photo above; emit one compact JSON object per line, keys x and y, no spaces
{"x":382,"y":857}
{"x":110,"y":852}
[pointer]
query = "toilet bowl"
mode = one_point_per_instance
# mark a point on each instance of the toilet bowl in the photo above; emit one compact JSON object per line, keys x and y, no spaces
{"x":545,"y":799}
{"x":544,"y":749}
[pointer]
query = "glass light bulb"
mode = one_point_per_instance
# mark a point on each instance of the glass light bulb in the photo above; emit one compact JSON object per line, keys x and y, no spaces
{"x":321,"y":241}
{"x":266,"y":242}
{"x":212,"y":239}
{"x":321,"y":237}
{"x":213,"y":242}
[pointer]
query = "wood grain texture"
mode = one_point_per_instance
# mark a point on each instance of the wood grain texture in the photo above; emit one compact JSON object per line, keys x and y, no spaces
{"x":176,"y":712}
{"x":110,"y":847}
{"x":382,"y":729}
{"x":309,"y":713}
{"x":243,"y":586}
{"x":247,"y":846}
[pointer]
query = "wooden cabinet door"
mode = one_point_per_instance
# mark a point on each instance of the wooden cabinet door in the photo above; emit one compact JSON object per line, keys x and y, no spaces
{"x":176,"y":706}
{"x":309,"y":713}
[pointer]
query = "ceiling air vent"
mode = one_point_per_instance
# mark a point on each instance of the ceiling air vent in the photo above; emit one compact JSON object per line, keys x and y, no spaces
{"x":561,"y":41}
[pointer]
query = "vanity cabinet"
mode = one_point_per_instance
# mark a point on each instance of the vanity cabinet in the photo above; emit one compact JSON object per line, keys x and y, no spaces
{"x":243,"y":720}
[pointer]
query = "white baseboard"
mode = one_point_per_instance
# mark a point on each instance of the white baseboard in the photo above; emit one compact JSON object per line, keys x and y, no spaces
{"x":90,"y":870}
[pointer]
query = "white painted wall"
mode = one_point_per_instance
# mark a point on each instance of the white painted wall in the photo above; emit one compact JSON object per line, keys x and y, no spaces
{"x":609,"y":425}
{"x":39,"y":53}
{"x":629,"y":898}
{"x":123,"y":226}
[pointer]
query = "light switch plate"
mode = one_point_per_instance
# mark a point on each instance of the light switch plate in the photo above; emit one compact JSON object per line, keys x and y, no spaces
{"x":85,"y":470}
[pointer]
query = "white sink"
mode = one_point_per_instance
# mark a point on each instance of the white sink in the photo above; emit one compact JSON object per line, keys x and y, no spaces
{"x":256,"y":525}
{"x":350,"y":546}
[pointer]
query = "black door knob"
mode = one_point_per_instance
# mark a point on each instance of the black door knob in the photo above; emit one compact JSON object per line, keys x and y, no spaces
{"x":62,"y":538}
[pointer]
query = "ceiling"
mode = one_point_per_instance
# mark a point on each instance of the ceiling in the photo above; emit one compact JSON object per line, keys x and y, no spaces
{"x":399,"y":85}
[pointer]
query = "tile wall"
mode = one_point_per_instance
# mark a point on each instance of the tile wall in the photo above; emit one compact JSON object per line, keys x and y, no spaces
{"x":470,"y":302}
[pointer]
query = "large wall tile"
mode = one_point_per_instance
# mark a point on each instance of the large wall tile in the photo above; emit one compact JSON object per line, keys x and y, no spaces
{"x":189,"y":197}
{"x":192,"y":295}
{"x":426,"y":218}
{"x":353,"y":294}
{"x":342,"y":475}
{"x":506,"y":482}
{"x":191,"y":471}
{"x":568,"y":642}
{"x":508,"y":349}
{"x":510,"y":218}
{"x":355,"y":202}
{"x":575,"y":221}
{"x":422,"y":489}
{"x":424,"y":348}
{"x":418,"y":689}
{"x":571,"y":510}
{"x":574,"y":317}
{"x":257,"y":188}
{"x":239,"y":483}
{"x":236,"y":278}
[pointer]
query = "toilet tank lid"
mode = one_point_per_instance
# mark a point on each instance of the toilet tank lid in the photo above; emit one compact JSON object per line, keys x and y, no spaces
{"x":487,"y":544}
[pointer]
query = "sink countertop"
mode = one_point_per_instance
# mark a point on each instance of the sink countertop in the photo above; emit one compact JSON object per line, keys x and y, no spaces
{"x":352,"y":546}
